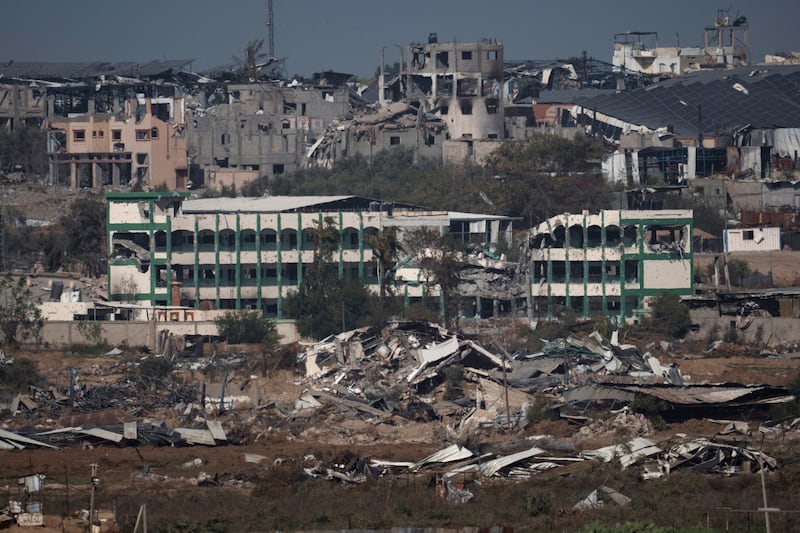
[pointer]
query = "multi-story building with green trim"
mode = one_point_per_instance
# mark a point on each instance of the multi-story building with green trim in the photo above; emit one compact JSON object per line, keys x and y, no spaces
{"x":166,"y":249}
{"x":611,"y":263}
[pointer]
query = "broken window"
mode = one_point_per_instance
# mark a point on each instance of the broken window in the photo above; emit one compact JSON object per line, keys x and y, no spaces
{"x":576,"y":236}
{"x":161,"y":111}
{"x":576,"y":272}
{"x":631,"y":271}
{"x":277,"y":168}
{"x":442,"y":60}
{"x":492,"y":136}
{"x":79,"y":135}
{"x":595,"y":272}
{"x":466,"y":55}
{"x":491,"y":106}
{"x":154,"y":133}
{"x":269,"y":239}
{"x":468,"y":86}
{"x":142,"y":135}
{"x":394,"y":140}
{"x":288,"y":239}
{"x":242,"y":124}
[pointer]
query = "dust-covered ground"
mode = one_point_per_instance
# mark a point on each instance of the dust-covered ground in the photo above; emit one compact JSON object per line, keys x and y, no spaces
{"x":201,"y":488}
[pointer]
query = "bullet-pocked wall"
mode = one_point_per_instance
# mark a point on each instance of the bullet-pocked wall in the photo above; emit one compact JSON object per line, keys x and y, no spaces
{"x":610,"y":263}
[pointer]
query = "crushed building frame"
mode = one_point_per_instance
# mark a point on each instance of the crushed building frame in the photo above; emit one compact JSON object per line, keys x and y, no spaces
{"x":609,"y":264}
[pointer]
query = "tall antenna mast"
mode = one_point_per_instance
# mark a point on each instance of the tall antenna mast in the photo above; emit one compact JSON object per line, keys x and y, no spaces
{"x":271,"y":29}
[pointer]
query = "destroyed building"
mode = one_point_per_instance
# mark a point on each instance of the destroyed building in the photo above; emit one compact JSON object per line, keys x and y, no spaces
{"x":445,"y":102}
{"x":240,"y":132}
{"x":740,"y":123}
{"x":234,"y":253}
{"x":724,"y":47}
{"x":609,"y":264}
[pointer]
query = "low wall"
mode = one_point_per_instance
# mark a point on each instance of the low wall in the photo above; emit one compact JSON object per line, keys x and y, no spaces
{"x":775,"y":331}
{"x":141,"y":333}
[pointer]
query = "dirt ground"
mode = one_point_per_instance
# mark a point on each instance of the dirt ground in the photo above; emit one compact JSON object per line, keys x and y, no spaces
{"x":173,"y":473}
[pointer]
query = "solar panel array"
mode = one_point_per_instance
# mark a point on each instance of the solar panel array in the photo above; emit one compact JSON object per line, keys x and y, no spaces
{"x":712,"y":102}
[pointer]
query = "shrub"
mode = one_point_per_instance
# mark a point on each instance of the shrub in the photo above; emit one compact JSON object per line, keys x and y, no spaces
{"x":18,"y":376}
{"x":246,"y":326}
{"x":670,"y":316}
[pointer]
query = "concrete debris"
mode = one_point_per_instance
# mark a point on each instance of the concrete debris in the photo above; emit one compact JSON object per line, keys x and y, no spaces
{"x":594,"y":501}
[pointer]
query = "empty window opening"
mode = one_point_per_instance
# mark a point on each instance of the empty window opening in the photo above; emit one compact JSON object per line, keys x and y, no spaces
{"x":79,"y":135}
{"x":154,"y":133}
{"x":116,"y":135}
{"x":747,"y":235}
{"x":142,"y":135}
{"x":394,"y":140}
{"x":466,"y":108}
{"x":277,"y":169}
{"x":491,"y":55}
{"x":442,"y":59}
{"x":466,"y":55}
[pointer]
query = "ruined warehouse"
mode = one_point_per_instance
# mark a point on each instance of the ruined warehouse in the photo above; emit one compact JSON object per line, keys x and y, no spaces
{"x":235,"y":253}
{"x":611,"y":263}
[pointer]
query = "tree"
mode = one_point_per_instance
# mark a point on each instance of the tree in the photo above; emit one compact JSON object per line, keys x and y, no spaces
{"x":441,"y":259}
{"x":247,"y":326}
{"x":324,"y":303}
{"x":250,"y":68}
{"x":546,"y":175}
{"x":85,"y":232}
{"x":670,"y":315}
{"x":20,"y":318}
{"x":386,"y":247}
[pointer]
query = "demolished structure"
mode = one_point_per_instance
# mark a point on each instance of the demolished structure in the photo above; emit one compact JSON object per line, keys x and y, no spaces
{"x":237,"y":253}
{"x":608,"y":264}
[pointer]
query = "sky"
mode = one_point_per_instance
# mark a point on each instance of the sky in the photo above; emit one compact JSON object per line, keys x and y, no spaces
{"x":347,"y":35}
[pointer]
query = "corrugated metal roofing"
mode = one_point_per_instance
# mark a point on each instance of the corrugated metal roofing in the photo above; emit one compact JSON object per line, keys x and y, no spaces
{"x":268,"y":204}
{"x":95,"y":69}
{"x":282,"y":204}
{"x":763,"y":96}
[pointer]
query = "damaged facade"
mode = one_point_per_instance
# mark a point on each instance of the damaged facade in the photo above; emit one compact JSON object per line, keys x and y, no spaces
{"x":724,"y":47}
{"x":446,"y":102}
{"x":610,"y":263}
{"x":239,"y":132}
{"x":234,"y":253}
{"x":110,"y":124}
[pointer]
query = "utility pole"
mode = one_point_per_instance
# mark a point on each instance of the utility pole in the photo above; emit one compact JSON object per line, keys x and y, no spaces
{"x":91,"y":498}
{"x":271,"y":29}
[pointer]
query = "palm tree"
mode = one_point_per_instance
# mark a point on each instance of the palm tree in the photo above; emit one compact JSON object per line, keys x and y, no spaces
{"x":386,"y":247}
{"x":252,"y":55}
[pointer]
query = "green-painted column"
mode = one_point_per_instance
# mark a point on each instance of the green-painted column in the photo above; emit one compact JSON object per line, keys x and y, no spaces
{"x":153,"y":279}
{"x":217,"y":273}
{"x":341,"y":246}
{"x":361,"y":247}
{"x":299,"y":249}
{"x":169,"y":258}
{"x":196,"y":264}
{"x":238,"y":272}
{"x":258,"y":261}
{"x":279,"y":266}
